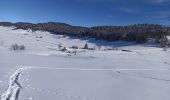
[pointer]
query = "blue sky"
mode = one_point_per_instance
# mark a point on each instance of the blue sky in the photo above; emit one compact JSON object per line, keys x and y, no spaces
{"x":86,"y":12}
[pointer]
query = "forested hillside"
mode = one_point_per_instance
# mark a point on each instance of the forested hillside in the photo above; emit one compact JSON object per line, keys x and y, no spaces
{"x":140,"y":33}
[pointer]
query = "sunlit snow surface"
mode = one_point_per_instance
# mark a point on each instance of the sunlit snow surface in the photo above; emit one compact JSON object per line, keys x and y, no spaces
{"x":42,"y":72}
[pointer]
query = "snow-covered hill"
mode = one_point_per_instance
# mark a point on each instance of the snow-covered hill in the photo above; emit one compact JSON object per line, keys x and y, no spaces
{"x":49,"y":69}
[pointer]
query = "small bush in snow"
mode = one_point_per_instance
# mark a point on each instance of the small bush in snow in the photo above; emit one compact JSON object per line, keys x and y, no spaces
{"x":15,"y":47}
{"x":22,"y":47}
{"x":18,"y":47}
{"x":86,"y":46}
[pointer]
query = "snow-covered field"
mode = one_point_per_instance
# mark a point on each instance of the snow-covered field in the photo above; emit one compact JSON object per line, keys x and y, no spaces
{"x":44,"y":72}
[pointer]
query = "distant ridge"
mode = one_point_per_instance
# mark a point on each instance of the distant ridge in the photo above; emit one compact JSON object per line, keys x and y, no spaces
{"x":139,"y":33}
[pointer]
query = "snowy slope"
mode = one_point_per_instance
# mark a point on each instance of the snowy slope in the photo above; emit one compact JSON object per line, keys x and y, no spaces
{"x":43,"y":72}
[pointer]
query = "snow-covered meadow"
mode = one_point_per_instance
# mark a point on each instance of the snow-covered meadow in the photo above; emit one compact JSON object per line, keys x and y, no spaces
{"x":44,"y":72}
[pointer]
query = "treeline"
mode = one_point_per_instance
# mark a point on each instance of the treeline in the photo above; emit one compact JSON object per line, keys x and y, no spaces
{"x":139,"y":33}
